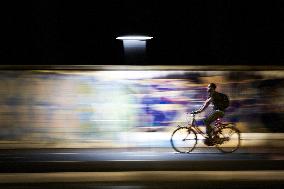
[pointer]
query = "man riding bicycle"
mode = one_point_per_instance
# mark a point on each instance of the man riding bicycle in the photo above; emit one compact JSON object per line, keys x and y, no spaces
{"x":220,"y":103}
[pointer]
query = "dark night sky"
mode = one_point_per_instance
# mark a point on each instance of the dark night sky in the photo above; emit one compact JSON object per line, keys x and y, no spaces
{"x":191,"y":32}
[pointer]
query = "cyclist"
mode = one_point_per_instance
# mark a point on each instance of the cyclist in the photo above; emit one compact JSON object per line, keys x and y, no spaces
{"x":220,"y":103}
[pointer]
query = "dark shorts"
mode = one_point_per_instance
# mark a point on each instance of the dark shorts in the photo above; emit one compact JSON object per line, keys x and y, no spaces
{"x":213,"y":117}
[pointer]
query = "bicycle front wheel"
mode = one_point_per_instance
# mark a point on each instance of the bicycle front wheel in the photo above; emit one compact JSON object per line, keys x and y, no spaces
{"x":228,"y":139}
{"x":184,"y":140}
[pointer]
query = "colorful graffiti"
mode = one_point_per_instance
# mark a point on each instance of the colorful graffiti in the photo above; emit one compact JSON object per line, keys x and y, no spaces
{"x":97,"y":105}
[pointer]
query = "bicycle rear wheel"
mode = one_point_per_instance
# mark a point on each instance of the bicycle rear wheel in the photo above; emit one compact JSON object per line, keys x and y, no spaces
{"x":228,"y":139}
{"x":184,"y":140}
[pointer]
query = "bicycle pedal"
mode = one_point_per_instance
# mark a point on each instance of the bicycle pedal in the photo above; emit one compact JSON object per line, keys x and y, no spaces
{"x":209,"y":142}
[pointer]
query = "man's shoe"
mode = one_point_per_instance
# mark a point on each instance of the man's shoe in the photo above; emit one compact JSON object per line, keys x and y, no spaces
{"x":209,"y":142}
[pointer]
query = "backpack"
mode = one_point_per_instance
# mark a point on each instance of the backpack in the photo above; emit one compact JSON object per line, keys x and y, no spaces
{"x":225,"y":102}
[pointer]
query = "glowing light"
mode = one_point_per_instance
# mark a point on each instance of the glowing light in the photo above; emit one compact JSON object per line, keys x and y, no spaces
{"x":139,"y":38}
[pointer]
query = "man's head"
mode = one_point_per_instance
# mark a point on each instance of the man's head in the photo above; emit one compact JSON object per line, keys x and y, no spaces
{"x":211,"y":87}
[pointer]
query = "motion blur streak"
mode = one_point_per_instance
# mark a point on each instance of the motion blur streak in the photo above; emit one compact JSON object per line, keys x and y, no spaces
{"x":130,"y":108}
{"x":145,"y":176}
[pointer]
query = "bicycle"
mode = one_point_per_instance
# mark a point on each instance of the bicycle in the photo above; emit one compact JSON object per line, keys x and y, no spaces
{"x":226,"y":137}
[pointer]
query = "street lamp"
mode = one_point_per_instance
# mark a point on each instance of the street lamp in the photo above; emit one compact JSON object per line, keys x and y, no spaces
{"x":134,"y":48}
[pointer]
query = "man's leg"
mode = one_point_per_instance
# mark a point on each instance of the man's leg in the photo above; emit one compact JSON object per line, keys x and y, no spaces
{"x":211,"y":118}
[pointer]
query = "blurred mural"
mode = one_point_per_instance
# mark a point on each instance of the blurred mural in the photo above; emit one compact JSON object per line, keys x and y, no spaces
{"x":114,"y":106}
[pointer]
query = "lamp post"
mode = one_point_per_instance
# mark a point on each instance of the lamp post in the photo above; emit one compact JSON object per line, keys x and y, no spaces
{"x":134,"y":48}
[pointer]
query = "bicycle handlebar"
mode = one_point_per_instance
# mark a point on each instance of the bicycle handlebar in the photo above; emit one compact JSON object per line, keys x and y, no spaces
{"x":192,"y":113}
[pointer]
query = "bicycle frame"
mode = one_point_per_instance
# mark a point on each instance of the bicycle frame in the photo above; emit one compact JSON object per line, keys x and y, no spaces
{"x":195,"y":127}
{"x":218,"y":125}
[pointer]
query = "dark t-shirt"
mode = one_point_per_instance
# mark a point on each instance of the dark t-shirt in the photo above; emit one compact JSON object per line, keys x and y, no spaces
{"x":217,"y":100}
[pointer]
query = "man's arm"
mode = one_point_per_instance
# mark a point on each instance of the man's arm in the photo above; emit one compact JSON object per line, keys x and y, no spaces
{"x":205,"y":105}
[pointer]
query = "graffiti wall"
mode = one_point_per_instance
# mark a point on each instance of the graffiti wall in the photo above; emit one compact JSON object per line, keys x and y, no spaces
{"x":98,"y":106}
